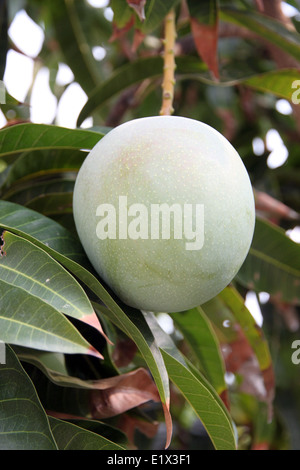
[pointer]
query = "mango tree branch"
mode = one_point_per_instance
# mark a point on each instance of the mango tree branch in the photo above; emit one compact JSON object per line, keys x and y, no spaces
{"x":169,"y":65}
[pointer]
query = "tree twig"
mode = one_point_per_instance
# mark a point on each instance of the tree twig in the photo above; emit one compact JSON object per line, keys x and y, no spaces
{"x":169,"y":65}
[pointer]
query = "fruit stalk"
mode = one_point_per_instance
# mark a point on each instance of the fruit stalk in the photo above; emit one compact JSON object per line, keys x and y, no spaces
{"x":169,"y":65}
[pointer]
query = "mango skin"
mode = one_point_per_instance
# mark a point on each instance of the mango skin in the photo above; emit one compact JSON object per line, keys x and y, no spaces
{"x":173,"y":160}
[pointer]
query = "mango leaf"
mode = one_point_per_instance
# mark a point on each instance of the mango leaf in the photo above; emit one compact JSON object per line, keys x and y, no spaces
{"x":69,"y":436}
{"x":204,"y":400}
{"x":42,"y":163}
{"x":196,"y":389}
{"x":204,"y":25}
{"x":139,"y":7}
{"x":25,"y":192}
{"x":278,"y":82}
{"x":23,"y":422}
{"x":26,"y":320}
{"x":273,"y":263}
{"x":37,"y":229}
{"x":28,"y":137}
{"x":266,"y":27}
{"x":199,"y":334}
{"x":67,"y":18}
{"x":27,"y":266}
{"x":131,"y":73}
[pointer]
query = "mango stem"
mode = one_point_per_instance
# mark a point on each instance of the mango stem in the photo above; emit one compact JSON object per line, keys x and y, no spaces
{"x":169,"y":65}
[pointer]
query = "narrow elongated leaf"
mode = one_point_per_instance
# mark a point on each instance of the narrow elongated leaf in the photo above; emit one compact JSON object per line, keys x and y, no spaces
{"x":199,"y":334}
{"x":255,"y":336}
{"x":155,"y":12}
{"x":42,"y":163}
{"x":28,"y":136}
{"x":273,"y":263}
{"x":26,"y":320}
{"x":26,"y":221}
{"x":69,"y":436}
{"x":205,"y":402}
{"x":266,"y":27}
{"x":131,"y":73}
{"x":25,"y":265}
{"x":23,"y":422}
{"x":204,"y":25}
{"x":278,"y":82}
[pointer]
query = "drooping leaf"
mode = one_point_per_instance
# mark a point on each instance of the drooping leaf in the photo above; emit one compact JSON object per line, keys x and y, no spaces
{"x":27,"y":266}
{"x":204,"y":25}
{"x":70,"y":436}
{"x":26,"y":320}
{"x":23,"y":422}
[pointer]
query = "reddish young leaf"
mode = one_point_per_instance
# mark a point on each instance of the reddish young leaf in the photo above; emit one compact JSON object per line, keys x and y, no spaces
{"x":118,"y":394}
{"x":119,"y":32}
{"x":205,"y":26}
{"x":206,"y":42}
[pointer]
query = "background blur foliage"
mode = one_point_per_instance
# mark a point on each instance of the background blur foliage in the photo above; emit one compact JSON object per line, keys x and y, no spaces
{"x":77,"y":360}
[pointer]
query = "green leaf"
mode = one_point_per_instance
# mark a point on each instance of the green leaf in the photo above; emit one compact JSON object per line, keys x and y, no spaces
{"x":278,"y":82}
{"x":273,"y":263}
{"x":67,"y":18}
{"x":205,"y":402}
{"x":74,"y":437}
{"x":42,"y":164}
{"x":131,"y":73}
{"x":23,"y":422}
{"x":28,"y":137}
{"x":155,"y":12}
{"x":199,"y":334}
{"x":266,"y":27}
{"x":26,"y":320}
